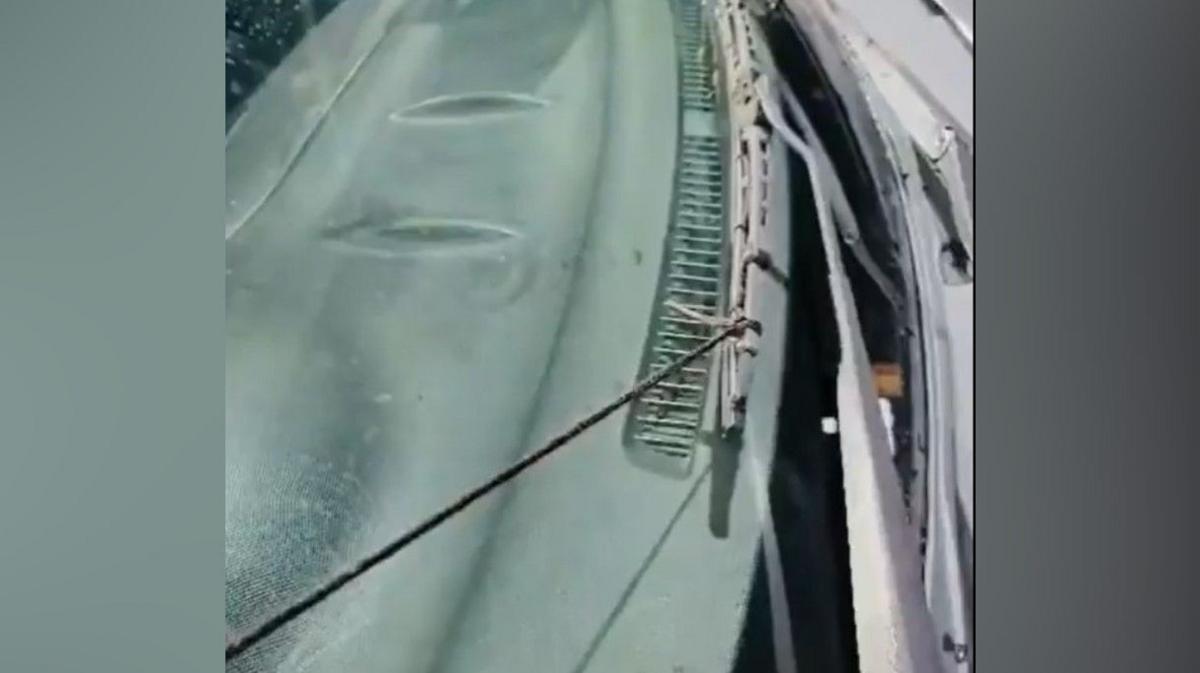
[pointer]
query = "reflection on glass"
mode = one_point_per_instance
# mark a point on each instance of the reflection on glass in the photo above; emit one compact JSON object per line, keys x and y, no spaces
{"x":442,"y":225}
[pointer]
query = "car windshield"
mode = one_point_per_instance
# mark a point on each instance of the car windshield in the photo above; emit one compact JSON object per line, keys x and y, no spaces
{"x":451,"y":229}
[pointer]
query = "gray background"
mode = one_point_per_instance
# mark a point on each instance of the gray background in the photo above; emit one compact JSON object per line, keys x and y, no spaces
{"x":1088,"y":294}
{"x":111,"y":335}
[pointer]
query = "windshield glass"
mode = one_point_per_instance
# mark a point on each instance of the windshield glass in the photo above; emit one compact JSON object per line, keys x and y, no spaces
{"x":451,"y":227}
{"x":259,"y":34}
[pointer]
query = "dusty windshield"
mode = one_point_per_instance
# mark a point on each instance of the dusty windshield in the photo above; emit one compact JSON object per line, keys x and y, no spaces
{"x":447,"y":237}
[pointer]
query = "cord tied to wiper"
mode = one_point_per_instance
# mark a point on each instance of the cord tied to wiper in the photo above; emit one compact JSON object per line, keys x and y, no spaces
{"x":235,"y":646}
